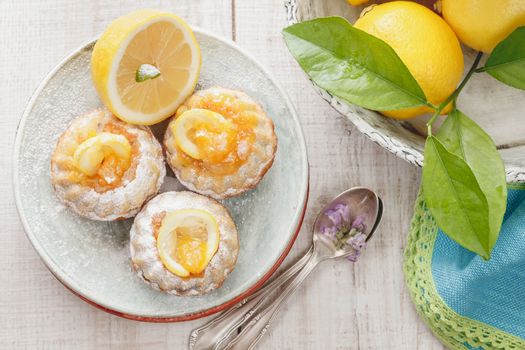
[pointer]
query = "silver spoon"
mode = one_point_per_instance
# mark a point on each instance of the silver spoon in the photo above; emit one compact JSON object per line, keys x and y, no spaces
{"x":252,"y":317}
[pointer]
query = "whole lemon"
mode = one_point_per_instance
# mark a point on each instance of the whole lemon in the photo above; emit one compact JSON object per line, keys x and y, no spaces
{"x":482,"y":24}
{"x":424,"y":42}
{"x":356,"y":2}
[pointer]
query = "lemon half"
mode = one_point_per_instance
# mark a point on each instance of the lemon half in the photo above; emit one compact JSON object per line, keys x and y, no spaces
{"x":187,"y":240}
{"x":145,"y":65}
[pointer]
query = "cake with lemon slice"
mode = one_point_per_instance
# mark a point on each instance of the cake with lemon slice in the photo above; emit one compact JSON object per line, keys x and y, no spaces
{"x":145,"y":65}
{"x":220,"y":143}
{"x":104,"y":168}
{"x":183,"y":243}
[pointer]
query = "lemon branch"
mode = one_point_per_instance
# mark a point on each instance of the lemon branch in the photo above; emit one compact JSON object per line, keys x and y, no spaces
{"x":452,"y":98}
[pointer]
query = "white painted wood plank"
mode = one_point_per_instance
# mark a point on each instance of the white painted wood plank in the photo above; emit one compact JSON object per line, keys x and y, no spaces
{"x":340,"y":307}
{"x":37,"y":312}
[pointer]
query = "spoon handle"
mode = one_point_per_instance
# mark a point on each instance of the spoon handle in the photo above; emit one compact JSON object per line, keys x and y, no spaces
{"x":215,"y":332}
{"x":253,"y":329}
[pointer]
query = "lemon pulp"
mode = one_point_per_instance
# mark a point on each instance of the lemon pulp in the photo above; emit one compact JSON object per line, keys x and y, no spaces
{"x":172,"y":57}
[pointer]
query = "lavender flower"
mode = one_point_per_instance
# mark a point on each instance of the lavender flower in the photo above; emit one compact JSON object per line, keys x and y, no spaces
{"x":352,"y":257}
{"x":335,"y":217}
{"x":329,"y":231}
{"x":344,"y":233}
{"x":344,"y":211}
{"x":359,"y":223}
{"x":358,"y":242}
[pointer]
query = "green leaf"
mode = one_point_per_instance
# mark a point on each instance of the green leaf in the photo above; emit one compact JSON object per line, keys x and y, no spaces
{"x":507,"y":61}
{"x":463,"y":137}
{"x":353,"y":65}
{"x":455,"y":198}
{"x":145,"y":72}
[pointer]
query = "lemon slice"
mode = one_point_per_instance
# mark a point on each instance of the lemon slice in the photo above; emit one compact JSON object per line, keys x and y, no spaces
{"x":90,"y":154}
{"x":204,"y":134}
{"x":187,"y":240}
{"x":145,"y":65}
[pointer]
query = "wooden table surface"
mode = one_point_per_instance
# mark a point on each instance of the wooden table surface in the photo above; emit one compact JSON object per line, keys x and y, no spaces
{"x":341,"y":306}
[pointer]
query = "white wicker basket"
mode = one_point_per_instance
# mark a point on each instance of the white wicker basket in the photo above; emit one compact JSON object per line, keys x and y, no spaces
{"x":499,"y":109}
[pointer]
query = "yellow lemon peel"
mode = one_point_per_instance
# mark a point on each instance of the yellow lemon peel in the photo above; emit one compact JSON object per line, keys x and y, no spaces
{"x":424,"y":42}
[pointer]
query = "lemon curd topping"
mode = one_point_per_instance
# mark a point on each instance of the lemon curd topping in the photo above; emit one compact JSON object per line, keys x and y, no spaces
{"x":224,"y":141}
{"x":187,"y":239}
{"x":102,"y":159}
{"x":191,"y":251}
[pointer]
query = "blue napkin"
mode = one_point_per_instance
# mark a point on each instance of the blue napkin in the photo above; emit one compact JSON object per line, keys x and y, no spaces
{"x":493,"y":291}
{"x":470,"y":303}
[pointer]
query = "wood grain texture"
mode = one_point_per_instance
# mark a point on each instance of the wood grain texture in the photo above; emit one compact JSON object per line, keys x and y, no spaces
{"x":341,"y":306}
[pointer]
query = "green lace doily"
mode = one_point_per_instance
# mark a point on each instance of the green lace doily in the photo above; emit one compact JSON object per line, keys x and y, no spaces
{"x":452,"y":329}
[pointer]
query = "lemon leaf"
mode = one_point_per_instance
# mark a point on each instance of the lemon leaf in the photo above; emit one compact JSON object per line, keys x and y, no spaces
{"x":467,"y":140}
{"x":455,"y":199}
{"x":352,"y":64}
{"x":507,"y":61}
{"x":145,"y":72}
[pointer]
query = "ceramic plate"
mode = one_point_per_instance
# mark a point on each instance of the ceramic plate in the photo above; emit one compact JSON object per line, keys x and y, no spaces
{"x":92,"y":258}
{"x":496,"y":107}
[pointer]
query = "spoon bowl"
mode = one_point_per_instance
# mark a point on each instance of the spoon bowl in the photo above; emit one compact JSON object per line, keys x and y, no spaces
{"x":358,"y":210}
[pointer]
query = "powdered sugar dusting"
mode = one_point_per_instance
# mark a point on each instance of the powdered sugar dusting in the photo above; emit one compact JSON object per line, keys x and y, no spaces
{"x":124,"y":201}
{"x":144,"y":253}
{"x":258,"y":161}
